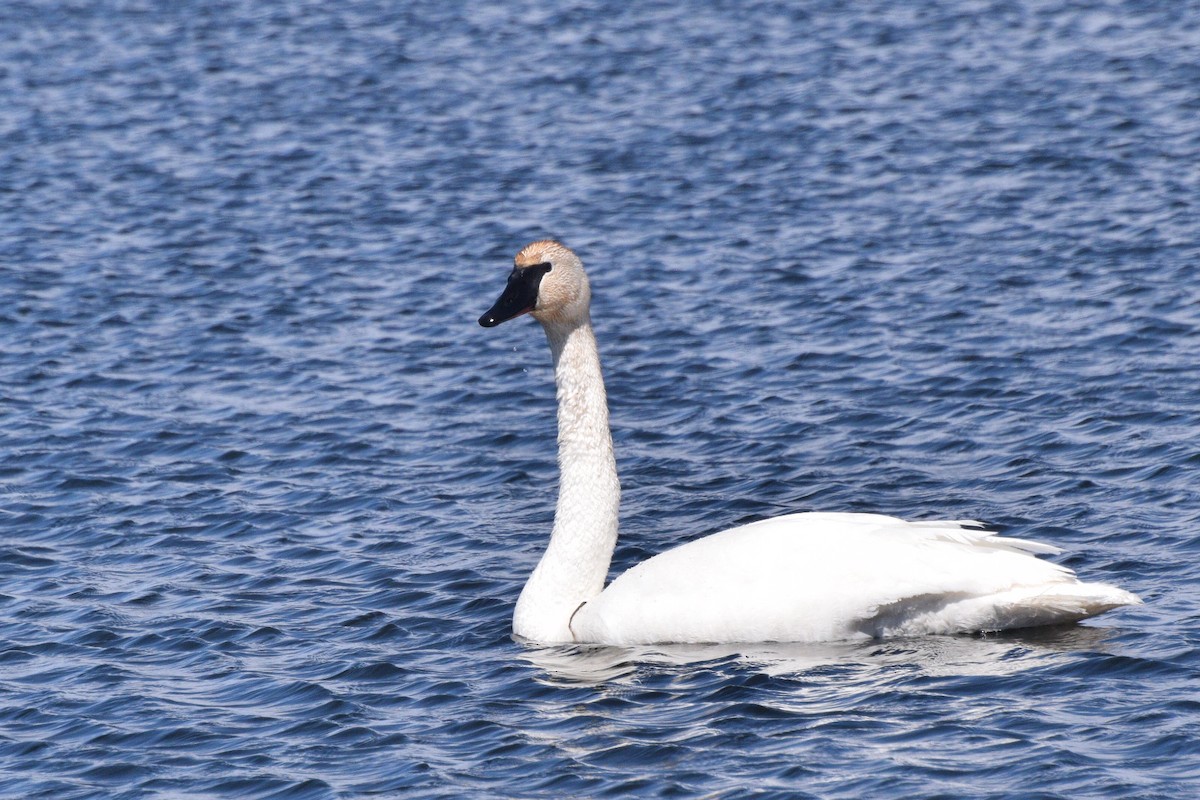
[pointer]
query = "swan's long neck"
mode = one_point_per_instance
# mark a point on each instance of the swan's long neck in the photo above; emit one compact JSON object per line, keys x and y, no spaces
{"x":575,"y":564}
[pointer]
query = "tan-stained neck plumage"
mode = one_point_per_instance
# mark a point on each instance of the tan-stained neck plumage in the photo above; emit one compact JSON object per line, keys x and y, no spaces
{"x":575,"y":565}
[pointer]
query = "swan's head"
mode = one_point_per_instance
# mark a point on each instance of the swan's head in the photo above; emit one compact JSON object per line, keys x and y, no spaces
{"x":547,"y":281}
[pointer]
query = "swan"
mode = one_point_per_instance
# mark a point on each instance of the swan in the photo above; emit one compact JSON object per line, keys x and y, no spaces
{"x":797,"y":578}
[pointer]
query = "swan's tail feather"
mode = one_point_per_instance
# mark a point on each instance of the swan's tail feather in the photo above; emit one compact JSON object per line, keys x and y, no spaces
{"x":1048,"y":605}
{"x":1020,"y":607}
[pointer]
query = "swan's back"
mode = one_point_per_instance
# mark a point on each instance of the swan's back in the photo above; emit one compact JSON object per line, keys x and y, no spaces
{"x":824,"y":576}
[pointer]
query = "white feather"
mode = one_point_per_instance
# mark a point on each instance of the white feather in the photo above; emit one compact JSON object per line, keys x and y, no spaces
{"x":821,"y":576}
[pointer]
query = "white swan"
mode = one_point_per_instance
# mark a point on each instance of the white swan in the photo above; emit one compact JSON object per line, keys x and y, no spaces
{"x":802,"y":577}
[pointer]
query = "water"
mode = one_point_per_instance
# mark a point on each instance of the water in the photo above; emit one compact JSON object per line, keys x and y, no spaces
{"x":268,"y":492}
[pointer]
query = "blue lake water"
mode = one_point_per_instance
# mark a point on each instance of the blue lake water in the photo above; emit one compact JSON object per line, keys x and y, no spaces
{"x":268,"y":492}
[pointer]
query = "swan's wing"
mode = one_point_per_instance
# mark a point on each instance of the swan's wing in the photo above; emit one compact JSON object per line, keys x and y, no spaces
{"x":814,"y":577}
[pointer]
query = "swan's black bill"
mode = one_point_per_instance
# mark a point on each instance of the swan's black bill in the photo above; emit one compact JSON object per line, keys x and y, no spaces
{"x":519,"y":297}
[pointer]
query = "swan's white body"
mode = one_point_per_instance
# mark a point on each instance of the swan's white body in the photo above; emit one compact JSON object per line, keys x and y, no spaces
{"x":803,"y":577}
{"x":820,"y":577}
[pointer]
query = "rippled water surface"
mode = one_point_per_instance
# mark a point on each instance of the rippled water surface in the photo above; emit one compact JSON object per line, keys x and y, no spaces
{"x":268,"y":493}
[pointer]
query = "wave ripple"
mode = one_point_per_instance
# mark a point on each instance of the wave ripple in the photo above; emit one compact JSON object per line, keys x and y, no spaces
{"x":268,"y":493}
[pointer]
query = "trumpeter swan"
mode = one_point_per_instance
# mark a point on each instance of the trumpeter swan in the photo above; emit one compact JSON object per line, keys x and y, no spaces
{"x":801,"y":577}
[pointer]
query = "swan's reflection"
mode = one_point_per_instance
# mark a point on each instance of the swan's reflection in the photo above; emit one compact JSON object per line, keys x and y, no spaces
{"x":1005,"y":653}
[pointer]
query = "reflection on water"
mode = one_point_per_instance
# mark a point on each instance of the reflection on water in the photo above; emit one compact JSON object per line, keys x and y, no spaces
{"x":1004,"y":653}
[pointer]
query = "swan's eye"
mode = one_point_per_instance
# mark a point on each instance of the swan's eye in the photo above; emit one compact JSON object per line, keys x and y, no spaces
{"x":542,"y":269}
